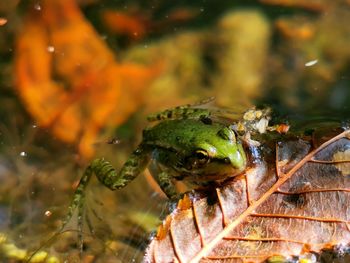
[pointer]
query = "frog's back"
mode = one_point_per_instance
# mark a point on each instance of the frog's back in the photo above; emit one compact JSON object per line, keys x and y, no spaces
{"x":182,"y":133}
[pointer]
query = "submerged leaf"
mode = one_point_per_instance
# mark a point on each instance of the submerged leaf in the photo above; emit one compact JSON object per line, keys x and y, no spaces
{"x":68,"y":78}
{"x":292,"y":206}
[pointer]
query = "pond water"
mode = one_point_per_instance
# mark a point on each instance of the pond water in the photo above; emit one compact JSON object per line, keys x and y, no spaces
{"x":78,"y":78}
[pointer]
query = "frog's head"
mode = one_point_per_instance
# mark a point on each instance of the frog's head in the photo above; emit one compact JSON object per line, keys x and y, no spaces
{"x":216,"y":156}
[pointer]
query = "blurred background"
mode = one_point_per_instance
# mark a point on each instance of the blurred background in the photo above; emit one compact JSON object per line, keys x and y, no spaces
{"x":74,"y":75}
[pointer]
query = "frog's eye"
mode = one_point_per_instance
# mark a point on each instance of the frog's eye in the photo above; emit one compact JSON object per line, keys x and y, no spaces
{"x":227,"y":160}
{"x":196,"y":159}
{"x":202,"y":156}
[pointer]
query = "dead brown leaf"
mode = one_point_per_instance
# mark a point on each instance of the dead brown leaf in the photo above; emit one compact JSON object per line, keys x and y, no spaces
{"x":68,"y":78}
{"x":297,"y":205}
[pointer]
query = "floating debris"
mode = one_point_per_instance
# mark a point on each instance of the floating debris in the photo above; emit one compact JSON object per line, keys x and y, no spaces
{"x":48,"y":213}
{"x":311,"y":63}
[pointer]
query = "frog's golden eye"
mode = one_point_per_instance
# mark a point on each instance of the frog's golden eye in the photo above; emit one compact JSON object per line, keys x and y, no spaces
{"x":202,"y":156}
{"x":196,"y":159}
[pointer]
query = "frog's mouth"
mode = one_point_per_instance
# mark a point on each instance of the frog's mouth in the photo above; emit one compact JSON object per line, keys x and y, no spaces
{"x":211,"y":172}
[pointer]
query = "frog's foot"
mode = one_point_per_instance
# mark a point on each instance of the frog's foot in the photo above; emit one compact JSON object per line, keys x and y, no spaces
{"x":78,"y":203}
{"x":106,"y":174}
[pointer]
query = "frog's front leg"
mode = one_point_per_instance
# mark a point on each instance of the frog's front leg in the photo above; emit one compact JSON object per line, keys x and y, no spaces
{"x":164,"y":179}
{"x":109,"y":177}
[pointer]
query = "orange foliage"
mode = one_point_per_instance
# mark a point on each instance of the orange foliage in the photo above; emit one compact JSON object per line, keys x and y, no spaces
{"x":184,"y":203}
{"x":3,"y":21}
{"x":298,"y":30}
{"x":311,"y":5}
{"x":121,"y":23}
{"x":68,"y":78}
{"x":137,"y":24}
{"x":163,"y":229}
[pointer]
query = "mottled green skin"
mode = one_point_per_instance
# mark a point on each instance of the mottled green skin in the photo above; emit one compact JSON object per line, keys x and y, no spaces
{"x":185,"y":145}
{"x":175,"y":142}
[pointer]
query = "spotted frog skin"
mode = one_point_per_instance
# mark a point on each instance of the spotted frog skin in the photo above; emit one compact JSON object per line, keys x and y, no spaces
{"x":197,"y":151}
{"x":185,"y":144}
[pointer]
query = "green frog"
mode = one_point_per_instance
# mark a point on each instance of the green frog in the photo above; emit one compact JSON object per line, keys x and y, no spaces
{"x":187,"y":143}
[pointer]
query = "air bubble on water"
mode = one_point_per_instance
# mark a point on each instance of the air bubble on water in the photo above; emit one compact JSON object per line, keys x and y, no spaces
{"x":23,"y":154}
{"x":311,"y":63}
{"x":48,"y":213}
{"x":37,"y":6}
{"x":51,"y":49}
{"x":3,"y":21}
